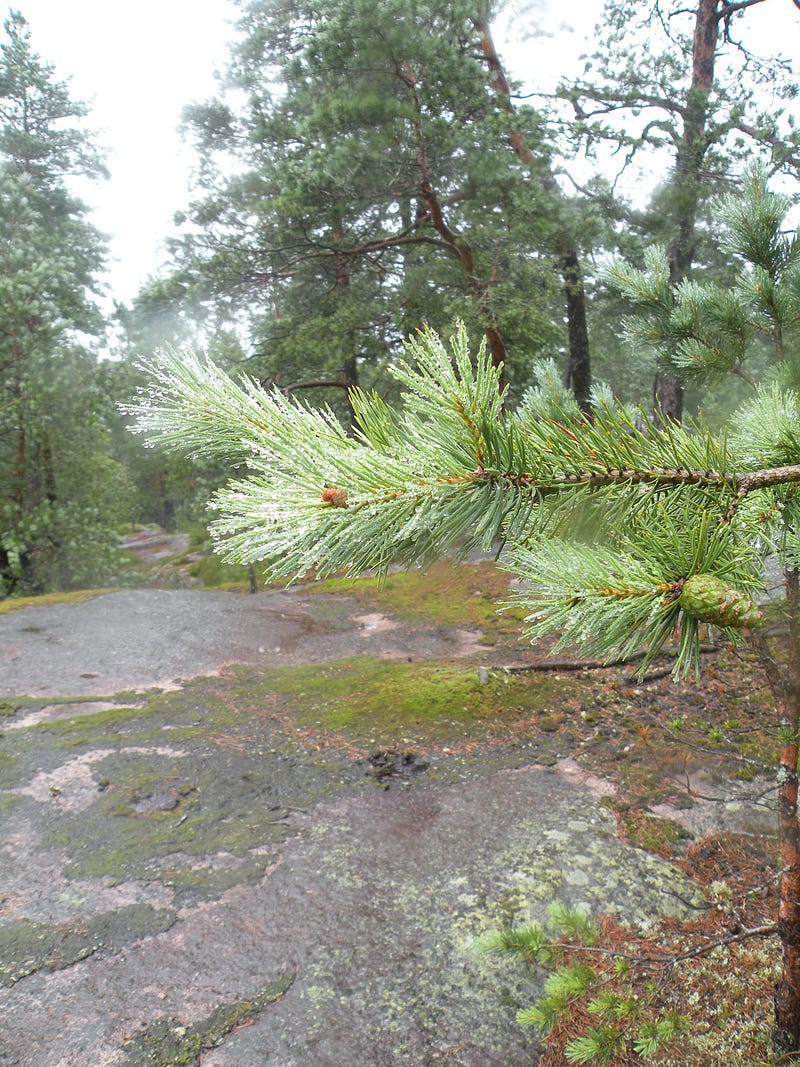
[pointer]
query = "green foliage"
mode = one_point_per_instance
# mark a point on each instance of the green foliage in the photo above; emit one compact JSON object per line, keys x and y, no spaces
{"x":612,"y":602}
{"x":685,"y":520}
{"x":376,"y":190}
{"x":531,"y":942}
{"x":168,"y":490}
{"x":60,"y":490}
{"x":451,"y":471}
{"x":561,"y":988}
{"x":548,"y":397}
{"x":598,"y":1045}
{"x":611,"y":1010}
{"x":707,"y":329}
{"x":214,"y":574}
{"x":403,"y":475}
{"x":572,"y":923}
{"x":658,"y":1032}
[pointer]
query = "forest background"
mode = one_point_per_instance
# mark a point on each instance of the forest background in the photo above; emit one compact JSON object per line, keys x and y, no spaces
{"x":363,"y":170}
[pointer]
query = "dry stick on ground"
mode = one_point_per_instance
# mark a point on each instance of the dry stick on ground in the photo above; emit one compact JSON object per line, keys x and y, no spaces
{"x":591,"y":664}
{"x":668,"y":959}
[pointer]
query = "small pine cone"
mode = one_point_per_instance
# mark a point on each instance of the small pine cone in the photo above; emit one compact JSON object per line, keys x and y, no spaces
{"x":337,"y":498}
{"x":709,"y":599}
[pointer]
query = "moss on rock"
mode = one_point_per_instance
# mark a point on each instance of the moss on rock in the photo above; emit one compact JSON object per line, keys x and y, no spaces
{"x":27,"y":947}
{"x":465,"y":597}
{"x":393,"y":702}
{"x":168,"y":1043}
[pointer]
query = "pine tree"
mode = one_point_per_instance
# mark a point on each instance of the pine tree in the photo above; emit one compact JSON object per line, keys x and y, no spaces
{"x":374,"y":186}
{"x":56,"y":481}
{"x":681,"y":78}
{"x":686,"y":519}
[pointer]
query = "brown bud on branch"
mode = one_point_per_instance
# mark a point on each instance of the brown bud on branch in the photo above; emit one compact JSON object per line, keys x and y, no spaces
{"x":337,"y":498}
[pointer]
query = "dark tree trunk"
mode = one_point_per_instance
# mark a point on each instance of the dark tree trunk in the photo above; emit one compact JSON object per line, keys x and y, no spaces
{"x":692,"y":148}
{"x":667,"y":396}
{"x":577,"y":374}
{"x":784,"y":680}
{"x":47,"y":472}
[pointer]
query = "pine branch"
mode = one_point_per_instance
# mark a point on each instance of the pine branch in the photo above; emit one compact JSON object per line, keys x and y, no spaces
{"x":451,"y":471}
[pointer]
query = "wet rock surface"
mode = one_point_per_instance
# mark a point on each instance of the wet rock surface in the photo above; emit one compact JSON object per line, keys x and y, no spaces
{"x":157,"y":637}
{"x":183,"y":880}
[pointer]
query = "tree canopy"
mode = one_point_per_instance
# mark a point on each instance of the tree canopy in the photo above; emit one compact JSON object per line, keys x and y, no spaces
{"x":374,"y":186}
{"x":57,"y":483}
{"x":680,"y":81}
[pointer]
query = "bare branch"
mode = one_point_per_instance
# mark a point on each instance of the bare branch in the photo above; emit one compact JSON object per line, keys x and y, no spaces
{"x":668,"y":959}
{"x":318,"y":383}
{"x":729,"y":9}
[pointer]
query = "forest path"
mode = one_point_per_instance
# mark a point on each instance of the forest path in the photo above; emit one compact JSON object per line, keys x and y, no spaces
{"x":186,"y":877}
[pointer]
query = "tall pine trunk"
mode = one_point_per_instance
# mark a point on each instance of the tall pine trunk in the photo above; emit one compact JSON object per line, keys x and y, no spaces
{"x":787,"y":993}
{"x":692,"y":148}
{"x":578,"y":375}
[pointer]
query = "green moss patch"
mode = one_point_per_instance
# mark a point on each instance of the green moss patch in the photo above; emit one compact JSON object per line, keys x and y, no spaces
{"x":191,"y":829}
{"x":9,"y":775}
{"x":167,"y":1043}
{"x":194,"y":790}
{"x":464,"y":596}
{"x":386,"y":702}
{"x":27,"y":947}
{"x":45,"y":600}
{"x":138,"y":717}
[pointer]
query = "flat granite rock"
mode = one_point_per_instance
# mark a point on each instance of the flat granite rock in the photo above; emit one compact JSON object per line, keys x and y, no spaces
{"x":371,"y":913}
{"x":185,"y":881}
{"x":136,"y":638}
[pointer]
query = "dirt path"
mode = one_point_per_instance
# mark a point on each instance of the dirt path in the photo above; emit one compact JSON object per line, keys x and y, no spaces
{"x":185,"y":881}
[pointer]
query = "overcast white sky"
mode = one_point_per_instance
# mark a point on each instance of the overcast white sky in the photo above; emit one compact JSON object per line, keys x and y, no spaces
{"x":138,"y":63}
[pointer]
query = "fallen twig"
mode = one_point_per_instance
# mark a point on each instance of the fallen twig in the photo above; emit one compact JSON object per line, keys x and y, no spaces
{"x":593,"y":665}
{"x":668,"y":959}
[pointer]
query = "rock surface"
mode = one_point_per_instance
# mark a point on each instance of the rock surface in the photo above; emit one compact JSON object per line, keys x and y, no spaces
{"x":184,"y":881}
